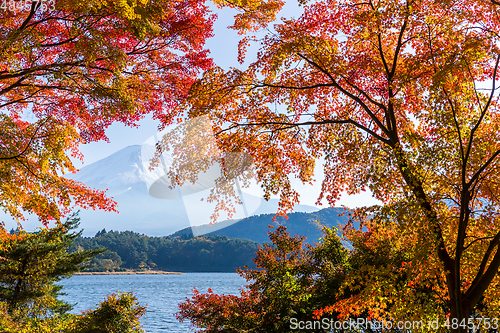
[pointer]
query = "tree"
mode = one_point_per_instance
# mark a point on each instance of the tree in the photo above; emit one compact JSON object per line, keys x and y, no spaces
{"x":117,"y":313}
{"x":31,"y":263}
{"x":396,"y":96}
{"x":293,"y":285}
{"x":69,"y":69}
{"x":290,"y":282}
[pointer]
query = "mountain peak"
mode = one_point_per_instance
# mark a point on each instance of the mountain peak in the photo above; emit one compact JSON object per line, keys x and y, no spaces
{"x":117,"y":172}
{"x":124,"y":174}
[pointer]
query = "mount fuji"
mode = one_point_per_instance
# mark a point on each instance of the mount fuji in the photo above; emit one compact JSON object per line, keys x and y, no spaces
{"x":124,"y":175}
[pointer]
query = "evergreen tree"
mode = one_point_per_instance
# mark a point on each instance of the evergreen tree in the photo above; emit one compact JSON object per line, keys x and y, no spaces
{"x":31,"y":263}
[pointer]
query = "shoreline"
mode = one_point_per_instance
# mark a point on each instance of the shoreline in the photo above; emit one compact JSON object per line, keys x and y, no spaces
{"x":130,"y":273}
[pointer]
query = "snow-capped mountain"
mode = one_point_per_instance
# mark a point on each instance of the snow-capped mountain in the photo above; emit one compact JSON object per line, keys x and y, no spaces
{"x":124,"y":174}
{"x":117,"y":172}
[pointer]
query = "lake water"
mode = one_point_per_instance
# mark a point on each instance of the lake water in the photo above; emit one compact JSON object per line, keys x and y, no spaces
{"x":161,"y":293}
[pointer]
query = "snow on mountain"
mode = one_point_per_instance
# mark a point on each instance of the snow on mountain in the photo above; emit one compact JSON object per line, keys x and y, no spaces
{"x":118,"y":172}
{"x":124,"y":174}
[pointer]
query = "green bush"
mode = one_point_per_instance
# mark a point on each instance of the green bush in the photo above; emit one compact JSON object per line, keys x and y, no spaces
{"x":31,"y":263}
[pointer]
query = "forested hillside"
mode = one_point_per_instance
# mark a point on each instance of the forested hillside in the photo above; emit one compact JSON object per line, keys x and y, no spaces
{"x":256,"y":228}
{"x":218,"y":251}
{"x":130,"y":250}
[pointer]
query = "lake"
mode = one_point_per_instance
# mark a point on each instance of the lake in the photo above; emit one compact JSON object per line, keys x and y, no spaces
{"x":161,"y":293}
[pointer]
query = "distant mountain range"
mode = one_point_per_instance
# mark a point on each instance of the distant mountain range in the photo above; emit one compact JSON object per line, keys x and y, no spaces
{"x":255,"y":228}
{"x":124,"y":174}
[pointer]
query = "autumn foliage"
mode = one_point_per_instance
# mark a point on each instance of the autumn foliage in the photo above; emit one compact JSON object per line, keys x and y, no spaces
{"x":70,"y":68}
{"x":291,"y":280}
{"x":68,"y":71}
{"x":398,"y":97}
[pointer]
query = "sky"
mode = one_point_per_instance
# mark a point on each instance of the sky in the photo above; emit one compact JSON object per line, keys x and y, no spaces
{"x":223,"y":48}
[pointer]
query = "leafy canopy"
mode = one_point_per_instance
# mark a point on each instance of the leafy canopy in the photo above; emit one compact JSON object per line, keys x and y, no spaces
{"x":395,"y":96}
{"x":70,"y":68}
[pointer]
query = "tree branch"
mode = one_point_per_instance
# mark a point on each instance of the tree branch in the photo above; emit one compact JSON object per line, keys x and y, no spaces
{"x":352,"y":96}
{"x":33,"y":137}
{"x":484,"y":111}
{"x":484,"y":166}
{"x":305,"y":123}
{"x":483,"y":280}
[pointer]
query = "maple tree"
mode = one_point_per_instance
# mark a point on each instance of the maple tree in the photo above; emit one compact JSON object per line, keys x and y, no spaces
{"x":398,"y":97}
{"x":70,"y":68}
{"x":291,"y":280}
{"x":68,"y":72}
{"x":294,"y":283}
